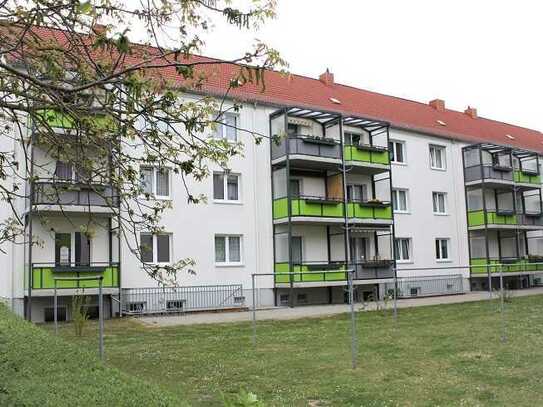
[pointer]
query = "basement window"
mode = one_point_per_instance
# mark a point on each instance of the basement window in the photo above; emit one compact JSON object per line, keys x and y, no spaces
{"x":415,"y":291}
{"x":175,"y":305}
{"x":283,"y":299}
{"x":137,"y":307}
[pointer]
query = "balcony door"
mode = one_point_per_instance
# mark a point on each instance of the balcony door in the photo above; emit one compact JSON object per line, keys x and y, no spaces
{"x":81,"y":253}
{"x":297,"y":254}
{"x":358,"y":249}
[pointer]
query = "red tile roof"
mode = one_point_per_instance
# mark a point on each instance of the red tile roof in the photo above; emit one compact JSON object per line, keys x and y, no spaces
{"x":296,"y":90}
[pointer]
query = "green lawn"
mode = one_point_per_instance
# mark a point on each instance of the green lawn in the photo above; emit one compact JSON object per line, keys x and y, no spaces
{"x":442,"y":355}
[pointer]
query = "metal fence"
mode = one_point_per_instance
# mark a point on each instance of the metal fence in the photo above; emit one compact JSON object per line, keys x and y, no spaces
{"x":411,"y":287}
{"x":163,"y":300}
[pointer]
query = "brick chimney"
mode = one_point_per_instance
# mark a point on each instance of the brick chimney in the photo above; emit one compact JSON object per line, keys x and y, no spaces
{"x":438,"y":104}
{"x":471,"y":112}
{"x":327,"y":78}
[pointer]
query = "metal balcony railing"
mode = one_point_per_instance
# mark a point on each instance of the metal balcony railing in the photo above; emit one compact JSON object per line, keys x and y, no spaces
{"x":73,"y":193}
{"x":307,"y":146}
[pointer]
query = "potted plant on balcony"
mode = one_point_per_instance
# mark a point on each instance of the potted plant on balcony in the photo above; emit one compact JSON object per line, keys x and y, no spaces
{"x":374,"y":202}
{"x":318,"y":140}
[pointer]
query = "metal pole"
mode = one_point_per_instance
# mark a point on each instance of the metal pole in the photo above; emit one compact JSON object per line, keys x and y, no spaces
{"x":353,"y":321}
{"x":503,"y":336}
{"x":100,"y":318}
{"x":254,"y":309}
{"x":55,"y":309}
{"x":395,"y":312}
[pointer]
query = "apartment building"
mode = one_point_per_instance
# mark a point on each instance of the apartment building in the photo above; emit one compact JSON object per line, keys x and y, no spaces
{"x":359,"y":181}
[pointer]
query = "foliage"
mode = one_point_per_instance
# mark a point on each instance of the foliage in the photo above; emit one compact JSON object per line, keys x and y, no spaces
{"x":79,"y":312}
{"x":74,"y":85}
{"x":38,"y":369}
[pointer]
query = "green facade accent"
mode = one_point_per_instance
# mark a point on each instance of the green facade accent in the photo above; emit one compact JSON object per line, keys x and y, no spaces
{"x":480,"y":266}
{"x":363,"y":211}
{"x":477,"y":218}
{"x":60,"y":120}
{"x":43,"y":278}
{"x":519,"y":176}
{"x":307,"y":278}
{"x":353,"y":153}
{"x":302,"y":207}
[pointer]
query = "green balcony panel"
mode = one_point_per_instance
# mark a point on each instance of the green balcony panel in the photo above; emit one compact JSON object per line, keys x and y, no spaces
{"x":43,"y":278}
{"x":304,"y":207}
{"x":479,"y":266}
{"x":305,"y":277}
{"x":364,"y":211}
{"x":60,"y":120}
{"x":353,"y":153}
{"x":519,"y":176}
{"x":477,"y":218}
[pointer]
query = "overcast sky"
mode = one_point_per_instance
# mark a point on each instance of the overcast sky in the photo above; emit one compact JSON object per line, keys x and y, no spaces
{"x":484,"y":53}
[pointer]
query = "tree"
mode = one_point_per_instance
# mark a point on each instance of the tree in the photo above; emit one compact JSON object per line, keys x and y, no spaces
{"x":119,"y":105}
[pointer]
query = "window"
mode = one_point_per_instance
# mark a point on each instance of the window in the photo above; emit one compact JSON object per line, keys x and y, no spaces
{"x":442,"y":249}
{"x":227,"y":128}
{"x":283,"y":299}
{"x":397,"y":152}
{"x":49,"y":314}
{"x":357,"y":193}
{"x":63,"y":171}
{"x":137,"y":307}
{"x":399,"y":200}
{"x":155,"y":248}
{"x":297,"y":251}
{"x":414,"y":291}
{"x":402,"y":249}
{"x":352,"y":138}
{"x":227,"y":250}
{"x":437,"y":157}
{"x":225,"y":187}
{"x":439,"y":203}
{"x":174,"y":305}
{"x":155,"y":181}
{"x":295,"y":187}
{"x":63,"y":248}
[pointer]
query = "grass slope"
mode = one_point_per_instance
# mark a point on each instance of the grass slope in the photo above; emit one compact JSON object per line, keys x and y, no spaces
{"x":39,"y":369}
{"x":442,"y":355}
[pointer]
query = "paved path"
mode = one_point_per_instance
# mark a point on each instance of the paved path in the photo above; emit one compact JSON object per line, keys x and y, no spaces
{"x":315,"y":311}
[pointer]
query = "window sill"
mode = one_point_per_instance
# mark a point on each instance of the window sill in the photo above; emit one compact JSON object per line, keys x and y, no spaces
{"x":402,"y":213}
{"x":227,"y":202}
{"x":444,"y":261}
{"x":440,"y":214}
{"x":403,"y":164}
{"x":438,"y":169}
{"x":404,"y":261}
{"x":156,"y":198}
{"x":229,"y":265}
{"x":155,"y":264}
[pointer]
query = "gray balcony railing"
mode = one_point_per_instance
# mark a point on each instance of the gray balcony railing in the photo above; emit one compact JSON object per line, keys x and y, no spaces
{"x":68,"y":193}
{"x":309,"y":146}
{"x":530,"y":219}
{"x":488,"y":171}
{"x":373,"y":269}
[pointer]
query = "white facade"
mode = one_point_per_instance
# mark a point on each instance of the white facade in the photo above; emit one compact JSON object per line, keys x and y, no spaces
{"x":193,"y":228}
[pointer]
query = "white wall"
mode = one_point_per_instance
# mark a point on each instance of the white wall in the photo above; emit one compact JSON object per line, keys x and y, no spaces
{"x":420,"y":224}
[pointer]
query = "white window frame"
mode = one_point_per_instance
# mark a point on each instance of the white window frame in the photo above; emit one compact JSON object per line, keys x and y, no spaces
{"x":393,"y":151}
{"x":445,"y":206}
{"x":439,"y":253}
{"x":395,"y":195}
{"x":220,"y":130}
{"x":155,"y":183}
{"x":155,"y":247}
{"x":409,"y":258}
{"x":443,"y":150}
{"x":227,"y":262}
{"x":225,"y":188}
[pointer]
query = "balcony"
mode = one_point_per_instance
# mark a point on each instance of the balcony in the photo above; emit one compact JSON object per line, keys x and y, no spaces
{"x":332,"y":208}
{"x":527,"y":177}
{"x":374,"y":158}
{"x":58,"y":120}
{"x":43,"y":275}
{"x":374,"y":210}
{"x":51,"y":194}
{"x":506,"y":265}
{"x":373,"y":269}
{"x":489,"y":173}
{"x":308,"y":206}
{"x":308,"y":272}
{"x":313,"y":151}
{"x":496,"y":218}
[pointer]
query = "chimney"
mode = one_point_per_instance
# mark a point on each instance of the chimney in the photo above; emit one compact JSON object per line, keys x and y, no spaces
{"x":99,"y":29}
{"x":327,"y":78}
{"x":438,"y":104}
{"x":471,"y":112}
